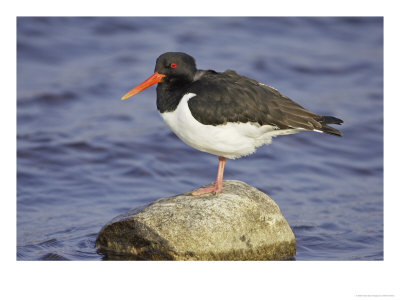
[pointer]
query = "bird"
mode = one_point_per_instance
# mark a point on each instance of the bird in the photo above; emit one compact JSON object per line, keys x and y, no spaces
{"x":224,"y":113}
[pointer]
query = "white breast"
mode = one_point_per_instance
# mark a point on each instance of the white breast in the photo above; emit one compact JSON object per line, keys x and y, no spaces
{"x":231,"y":140}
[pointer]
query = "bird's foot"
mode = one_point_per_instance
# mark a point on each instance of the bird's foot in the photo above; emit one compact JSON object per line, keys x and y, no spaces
{"x":215,"y":189}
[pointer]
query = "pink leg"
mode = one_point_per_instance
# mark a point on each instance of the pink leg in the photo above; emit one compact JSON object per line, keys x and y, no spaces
{"x":217,"y":188}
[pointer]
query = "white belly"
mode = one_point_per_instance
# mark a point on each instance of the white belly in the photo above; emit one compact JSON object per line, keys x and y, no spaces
{"x":231,"y":140}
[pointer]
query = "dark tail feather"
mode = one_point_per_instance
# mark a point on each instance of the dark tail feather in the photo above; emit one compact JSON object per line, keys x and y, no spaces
{"x":324,"y":120}
{"x":330,"y":120}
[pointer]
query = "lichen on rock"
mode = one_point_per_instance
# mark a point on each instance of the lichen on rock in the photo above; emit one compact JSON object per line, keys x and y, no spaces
{"x":240,"y":223}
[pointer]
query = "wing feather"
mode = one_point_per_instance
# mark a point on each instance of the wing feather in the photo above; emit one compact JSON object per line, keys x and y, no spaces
{"x":228,"y":97}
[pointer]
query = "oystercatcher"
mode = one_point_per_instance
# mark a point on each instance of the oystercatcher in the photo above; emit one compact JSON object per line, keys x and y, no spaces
{"x":224,"y":114}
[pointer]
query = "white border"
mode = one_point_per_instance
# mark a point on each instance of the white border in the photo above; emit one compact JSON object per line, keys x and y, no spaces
{"x":198,"y":280}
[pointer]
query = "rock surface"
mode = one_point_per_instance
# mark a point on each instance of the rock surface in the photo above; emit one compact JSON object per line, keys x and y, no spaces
{"x":240,"y":223}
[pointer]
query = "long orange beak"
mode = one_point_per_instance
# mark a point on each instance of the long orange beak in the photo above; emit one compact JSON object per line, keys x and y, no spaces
{"x":153,"y":79}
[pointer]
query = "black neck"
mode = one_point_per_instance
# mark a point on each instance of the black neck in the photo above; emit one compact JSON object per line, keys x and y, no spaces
{"x":169,"y":93}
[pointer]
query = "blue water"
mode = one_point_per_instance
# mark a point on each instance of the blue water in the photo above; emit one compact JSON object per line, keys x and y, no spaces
{"x":84,"y":156}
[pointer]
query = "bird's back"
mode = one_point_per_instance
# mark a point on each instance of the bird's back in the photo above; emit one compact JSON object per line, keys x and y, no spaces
{"x":229,"y":97}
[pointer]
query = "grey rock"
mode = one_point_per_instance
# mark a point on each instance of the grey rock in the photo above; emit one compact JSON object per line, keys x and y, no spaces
{"x":240,"y":223}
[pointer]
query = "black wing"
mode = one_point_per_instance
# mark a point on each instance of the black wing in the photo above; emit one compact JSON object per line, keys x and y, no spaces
{"x":228,"y":97}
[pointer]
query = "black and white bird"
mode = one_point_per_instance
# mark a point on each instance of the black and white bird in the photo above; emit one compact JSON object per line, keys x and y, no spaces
{"x":224,"y":114}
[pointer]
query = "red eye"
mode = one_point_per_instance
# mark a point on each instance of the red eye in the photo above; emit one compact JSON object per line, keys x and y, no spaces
{"x":173,"y":65}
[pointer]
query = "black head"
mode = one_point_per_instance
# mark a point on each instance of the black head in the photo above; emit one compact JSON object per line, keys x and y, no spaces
{"x":176,"y":66}
{"x":173,"y":69}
